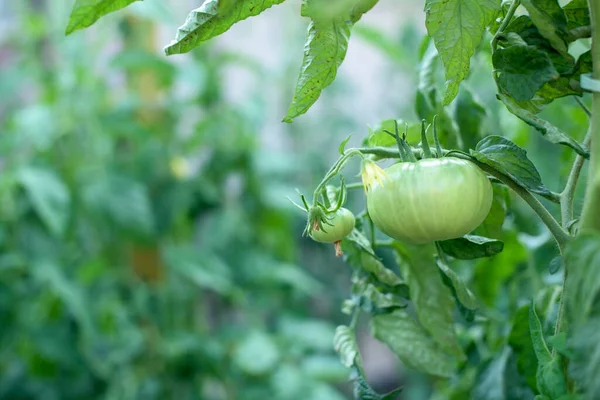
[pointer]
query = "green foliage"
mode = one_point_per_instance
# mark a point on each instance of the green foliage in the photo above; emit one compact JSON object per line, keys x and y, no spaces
{"x":457,"y":27}
{"x":86,"y":12}
{"x":470,"y":247}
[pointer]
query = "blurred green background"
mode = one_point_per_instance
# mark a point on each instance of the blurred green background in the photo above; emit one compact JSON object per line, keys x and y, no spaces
{"x":147,"y":248}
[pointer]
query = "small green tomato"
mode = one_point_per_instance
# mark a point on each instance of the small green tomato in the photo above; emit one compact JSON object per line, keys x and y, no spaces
{"x":336,"y":227}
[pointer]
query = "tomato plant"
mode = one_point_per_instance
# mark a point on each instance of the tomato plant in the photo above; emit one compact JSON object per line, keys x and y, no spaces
{"x":470,"y":267}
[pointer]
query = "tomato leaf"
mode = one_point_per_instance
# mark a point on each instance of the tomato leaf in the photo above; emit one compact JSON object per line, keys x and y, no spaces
{"x":508,"y":158}
{"x":411,"y":343}
{"x":432,"y":299}
{"x":549,"y":131}
{"x":457,"y":27}
{"x":492,"y":225}
{"x":374,"y":301}
{"x":86,"y":12}
{"x":363,"y":391}
{"x":577,"y":13}
{"x":550,"y":19}
{"x":470,"y":247}
{"x":537,"y":337}
{"x":211,"y":19}
{"x":520,"y":340}
{"x":461,"y":291}
{"x":384,"y":275}
{"x":522,"y":70}
{"x":470,"y":116}
{"x":378,"y":137}
{"x":583,"y":259}
{"x":49,"y":197}
{"x":324,"y":51}
{"x":344,"y":343}
{"x":490,"y":382}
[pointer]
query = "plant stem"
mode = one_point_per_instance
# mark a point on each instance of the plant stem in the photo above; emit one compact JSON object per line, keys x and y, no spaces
{"x":334,"y":170}
{"x":561,"y":236}
{"x":590,"y":217}
{"x":509,"y":14}
{"x":568,"y":194}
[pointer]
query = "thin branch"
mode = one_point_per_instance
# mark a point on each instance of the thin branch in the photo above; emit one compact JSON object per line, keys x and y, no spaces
{"x":581,"y":32}
{"x":568,"y":194}
{"x":509,"y":14}
{"x":583,"y":106}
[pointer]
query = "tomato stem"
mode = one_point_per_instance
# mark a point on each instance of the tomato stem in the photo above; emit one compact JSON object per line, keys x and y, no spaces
{"x":568,"y":194}
{"x":334,"y":170}
{"x":590,"y":216}
{"x":509,"y":14}
{"x":438,"y":147}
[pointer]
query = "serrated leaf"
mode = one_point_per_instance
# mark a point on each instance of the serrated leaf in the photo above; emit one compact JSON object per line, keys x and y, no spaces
{"x":522,"y":70}
{"x":324,"y":51}
{"x":86,"y":12}
{"x":49,"y":197}
{"x":549,"y":131}
{"x":209,"y":20}
{"x":463,"y":294}
{"x":550,"y":19}
{"x":577,"y":13}
{"x":457,"y":27}
{"x":344,"y":343}
{"x":411,"y":343}
{"x":470,"y":247}
{"x":432,"y":299}
{"x":508,"y":158}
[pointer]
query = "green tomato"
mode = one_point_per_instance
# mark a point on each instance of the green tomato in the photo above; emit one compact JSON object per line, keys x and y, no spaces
{"x":337,"y":226}
{"x":430,"y":200}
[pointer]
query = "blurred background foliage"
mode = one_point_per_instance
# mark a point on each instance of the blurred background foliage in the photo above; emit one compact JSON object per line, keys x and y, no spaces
{"x":147,"y":250}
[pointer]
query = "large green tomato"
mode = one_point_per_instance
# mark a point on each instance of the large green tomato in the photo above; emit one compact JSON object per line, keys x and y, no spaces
{"x":337,"y":227}
{"x":430,"y":200}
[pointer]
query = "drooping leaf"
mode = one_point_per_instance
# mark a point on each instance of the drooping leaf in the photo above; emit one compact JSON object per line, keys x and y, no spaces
{"x":463,"y":293}
{"x":363,"y":391}
{"x":49,"y":197}
{"x":374,"y":301}
{"x":344,"y":344}
{"x":508,"y":158}
{"x":470,"y":247}
{"x":491,"y":384}
{"x":522,"y":70}
{"x":324,"y":51}
{"x":537,"y":337}
{"x":550,"y":19}
{"x":86,"y":12}
{"x":457,"y":27}
{"x":210,"y":20}
{"x":383,"y":274}
{"x":432,"y":299}
{"x":549,"y":131}
{"x":411,"y":343}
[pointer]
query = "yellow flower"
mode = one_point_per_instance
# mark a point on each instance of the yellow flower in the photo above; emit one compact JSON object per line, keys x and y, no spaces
{"x":372,"y":173}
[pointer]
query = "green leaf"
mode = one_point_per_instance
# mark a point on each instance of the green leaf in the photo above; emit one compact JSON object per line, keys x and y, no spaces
{"x":363,"y":391}
{"x":549,"y":131}
{"x":470,"y":116}
{"x":508,"y":158}
{"x":577,"y":13}
{"x":342,"y":147}
{"x":492,"y":225}
{"x":457,"y":27}
{"x":522,"y":70}
{"x":470,"y":247}
{"x":432,"y":299}
{"x":377,"y":136}
{"x":324,"y":51}
{"x":490,"y":383}
{"x":384,"y":275}
{"x":520,"y":340}
{"x":208,"y":21}
{"x":361,"y":242}
{"x":373,"y":301}
{"x":411,"y":343}
{"x":583,"y":258}
{"x":344,"y":343}
{"x":550,"y":19}
{"x":257,"y":354}
{"x":537,"y":337}
{"x":550,"y":379}
{"x":584,"y":365}
{"x":463,"y":294}
{"x":49,"y":197}
{"x":557,"y":263}
{"x":86,"y":12}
